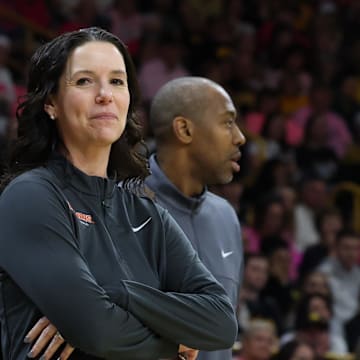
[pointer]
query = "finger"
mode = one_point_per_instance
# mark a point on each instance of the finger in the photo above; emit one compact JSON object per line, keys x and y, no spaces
{"x":46,"y":335}
{"x":183,"y":348}
{"x":54,"y":345}
{"x":66,"y":352}
{"x":193,"y":355}
{"x":35,"y":331}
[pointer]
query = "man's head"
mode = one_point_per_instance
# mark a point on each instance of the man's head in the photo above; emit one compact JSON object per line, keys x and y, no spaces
{"x":195,"y":119}
{"x":316,"y":282}
{"x":256,"y":271}
{"x":347,"y":248}
{"x":277,"y":251}
{"x":313,"y":192}
{"x":259,"y":340}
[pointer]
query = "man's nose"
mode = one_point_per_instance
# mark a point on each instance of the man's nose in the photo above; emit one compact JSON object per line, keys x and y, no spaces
{"x":239,"y":137}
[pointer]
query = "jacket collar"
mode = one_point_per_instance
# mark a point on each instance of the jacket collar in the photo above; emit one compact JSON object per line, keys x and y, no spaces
{"x":159,"y":182}
{"x":74,"y":177}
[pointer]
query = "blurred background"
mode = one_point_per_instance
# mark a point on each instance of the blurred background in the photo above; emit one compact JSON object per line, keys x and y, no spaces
{"x":292,"y":68}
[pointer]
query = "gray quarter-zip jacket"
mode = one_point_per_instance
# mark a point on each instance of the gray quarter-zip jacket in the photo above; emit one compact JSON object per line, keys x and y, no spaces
{"x":213,"y":228}
{"x":112,"y":271}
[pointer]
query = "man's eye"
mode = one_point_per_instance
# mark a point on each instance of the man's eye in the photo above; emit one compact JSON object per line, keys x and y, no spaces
{"x":230,"y":122}
{"x":83,"y":81}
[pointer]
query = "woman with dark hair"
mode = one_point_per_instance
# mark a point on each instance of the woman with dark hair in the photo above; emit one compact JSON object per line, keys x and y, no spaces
{"x":315,"y":155}
{"x":313,"y":321}
{"x":295,"y":350}
{"x":328,"y":223}
{"x":110,"y":269}
{"x":38,"y":137}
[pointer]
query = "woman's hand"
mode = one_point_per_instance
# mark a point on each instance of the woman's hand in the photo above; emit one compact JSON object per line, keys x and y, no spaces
{"x":186,"y":353}
{"x":47,"y":339}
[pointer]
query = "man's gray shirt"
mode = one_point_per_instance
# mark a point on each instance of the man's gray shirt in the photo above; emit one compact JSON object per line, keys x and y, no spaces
{"x":213,"y":228}
{"x":345,"y":288}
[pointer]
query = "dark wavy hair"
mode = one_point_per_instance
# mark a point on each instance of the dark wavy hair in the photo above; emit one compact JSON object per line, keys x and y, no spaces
{"x":288,"y":350}
{"x":38,"y":135}
{"x":304,"y":319}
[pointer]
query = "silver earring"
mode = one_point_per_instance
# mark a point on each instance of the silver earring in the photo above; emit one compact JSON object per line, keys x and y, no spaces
{"x":52,"y":117}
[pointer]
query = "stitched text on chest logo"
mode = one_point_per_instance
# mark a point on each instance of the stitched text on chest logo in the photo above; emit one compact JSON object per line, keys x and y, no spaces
{"x":226,"y":254}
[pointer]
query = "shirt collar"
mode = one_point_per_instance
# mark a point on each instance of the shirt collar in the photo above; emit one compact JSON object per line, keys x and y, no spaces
{"x":159,"y":182}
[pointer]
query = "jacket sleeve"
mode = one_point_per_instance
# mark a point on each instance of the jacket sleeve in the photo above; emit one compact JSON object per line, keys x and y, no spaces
{"x":39,"y":252}
{"x":193,"y":308}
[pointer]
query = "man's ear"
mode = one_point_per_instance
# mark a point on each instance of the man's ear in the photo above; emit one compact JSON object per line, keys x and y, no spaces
{"x":183,"y":129}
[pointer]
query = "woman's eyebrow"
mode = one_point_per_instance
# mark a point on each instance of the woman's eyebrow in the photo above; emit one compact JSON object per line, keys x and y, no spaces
{"x":90,"y":72}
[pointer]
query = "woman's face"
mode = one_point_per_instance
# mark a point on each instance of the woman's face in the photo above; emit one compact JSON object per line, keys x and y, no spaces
{"x":260,"y":345}
{"x":303,"y":352}
{"x":316,"y":283}
{"x":319,"y":306}
{"x":276,"y":128}
{"x":91,"y":106}
{"x":331,"y":224}
{"x":274,"y":218}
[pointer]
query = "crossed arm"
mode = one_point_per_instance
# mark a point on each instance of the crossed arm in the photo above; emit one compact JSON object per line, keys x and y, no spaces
{"x":142,"y":321}
{"x":47,"y":341}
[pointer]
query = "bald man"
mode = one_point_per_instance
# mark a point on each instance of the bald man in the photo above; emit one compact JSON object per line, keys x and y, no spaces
{"x":198,"y":144}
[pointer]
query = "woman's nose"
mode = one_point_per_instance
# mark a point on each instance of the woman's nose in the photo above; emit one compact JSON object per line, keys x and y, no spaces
{"x":104,"y":96}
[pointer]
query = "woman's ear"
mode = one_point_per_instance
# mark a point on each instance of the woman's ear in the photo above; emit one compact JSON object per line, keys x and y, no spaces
{"x":183,"y":129}
{"x":50,"y":109}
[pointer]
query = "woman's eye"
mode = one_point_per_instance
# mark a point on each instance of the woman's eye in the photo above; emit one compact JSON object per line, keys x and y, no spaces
{"x":117,"y":82}
{"x":83,"y":81}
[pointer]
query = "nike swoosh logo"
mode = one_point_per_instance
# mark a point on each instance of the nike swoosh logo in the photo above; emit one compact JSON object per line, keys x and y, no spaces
{"x":138,"y":228}
{"x":226,"y":254}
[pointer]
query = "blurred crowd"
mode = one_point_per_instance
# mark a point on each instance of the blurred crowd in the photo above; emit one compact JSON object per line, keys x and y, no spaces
{"x":292,"y":68}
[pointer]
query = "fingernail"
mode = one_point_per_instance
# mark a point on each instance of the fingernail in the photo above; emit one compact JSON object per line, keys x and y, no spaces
{"x":26,"y":340}
{"x":42,"y":357}
{"x":30,"y":354}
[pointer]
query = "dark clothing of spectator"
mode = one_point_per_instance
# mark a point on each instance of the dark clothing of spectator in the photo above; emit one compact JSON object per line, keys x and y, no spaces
{"x":321,"y":161}
{"x":313,"y":256}
{"x":282,"y":294}
{"x":352,"y":332}
{"x":266,"y":308}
